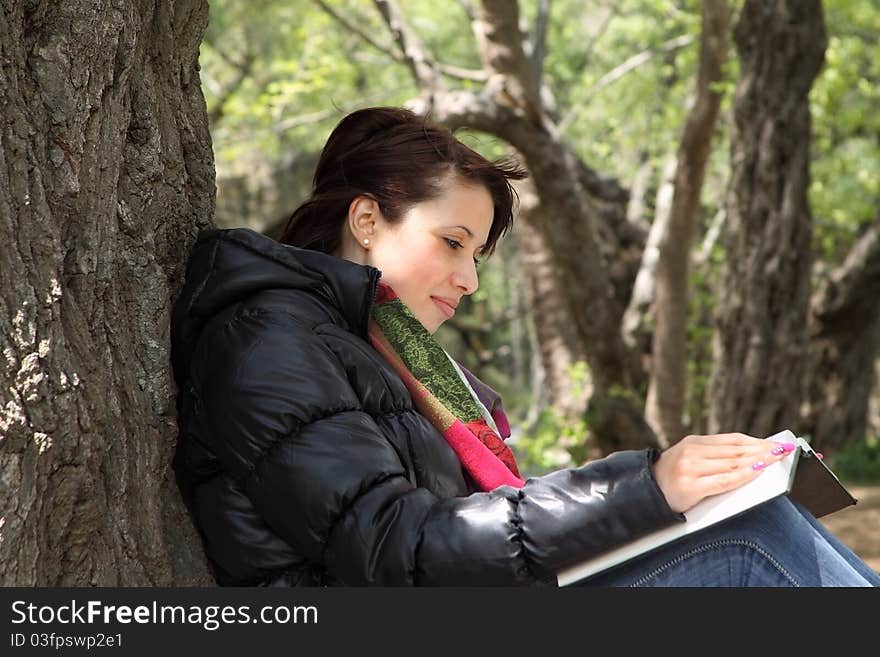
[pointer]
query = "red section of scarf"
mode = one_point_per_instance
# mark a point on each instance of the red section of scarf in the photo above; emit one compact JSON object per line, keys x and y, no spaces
{"x":486,"y":469}
{"x":493,"y":441}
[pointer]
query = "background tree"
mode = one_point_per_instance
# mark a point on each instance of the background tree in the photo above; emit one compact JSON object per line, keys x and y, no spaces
{"x":844,"y":334}
{"x":838,"y":411}
{"x":761,"y":337}
{"x":665,"y":403}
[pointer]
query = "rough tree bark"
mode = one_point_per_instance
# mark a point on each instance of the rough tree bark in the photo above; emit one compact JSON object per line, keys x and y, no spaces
{"x":106,"y":174}
{"x":844,"y":331}
{"x":761,"y":340}
{"x":666,"y":390}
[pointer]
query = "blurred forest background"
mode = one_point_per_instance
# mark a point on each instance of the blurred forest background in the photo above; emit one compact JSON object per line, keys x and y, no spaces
{"x":636,"y":106}
{"x":697,"y":248}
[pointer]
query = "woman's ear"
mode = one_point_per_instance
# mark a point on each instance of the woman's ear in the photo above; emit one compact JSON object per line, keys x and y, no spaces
{"x":363,"y":218}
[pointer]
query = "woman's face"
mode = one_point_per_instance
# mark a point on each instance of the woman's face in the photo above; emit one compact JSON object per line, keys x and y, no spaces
{"x":428,"y":256}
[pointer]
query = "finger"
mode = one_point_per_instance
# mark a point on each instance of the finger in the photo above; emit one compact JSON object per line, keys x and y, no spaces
{"x":732,"y":451}
{"x":706,"y":467}
{"x":725,"y":439}
{"x":740,"y":472}
{"x":768,"y":455}
{"x":726,"y":481}
{"x":698,"y":459}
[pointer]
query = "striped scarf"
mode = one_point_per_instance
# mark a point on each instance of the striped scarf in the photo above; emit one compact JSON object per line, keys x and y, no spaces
{"x":443,"y":392}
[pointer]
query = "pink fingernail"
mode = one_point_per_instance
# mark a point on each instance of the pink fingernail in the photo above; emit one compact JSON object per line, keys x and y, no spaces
{"x":777,"y":450}
{"x":788,"y":447}
{"x":819,"y":455}
{"x":760,"y":465}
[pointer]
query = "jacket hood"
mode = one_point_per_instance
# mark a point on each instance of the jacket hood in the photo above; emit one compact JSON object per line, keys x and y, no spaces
{"x":228,"y":265}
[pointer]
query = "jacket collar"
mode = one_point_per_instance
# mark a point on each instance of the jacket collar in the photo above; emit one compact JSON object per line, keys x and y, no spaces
{"x":244,"y":261}
{"x":228,"y":265}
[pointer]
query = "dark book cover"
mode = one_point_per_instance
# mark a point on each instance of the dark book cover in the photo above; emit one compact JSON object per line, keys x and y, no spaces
{"x":817,"y":487}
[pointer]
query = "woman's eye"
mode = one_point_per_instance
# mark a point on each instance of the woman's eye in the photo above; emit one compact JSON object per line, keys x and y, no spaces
{"x":455,"y":245}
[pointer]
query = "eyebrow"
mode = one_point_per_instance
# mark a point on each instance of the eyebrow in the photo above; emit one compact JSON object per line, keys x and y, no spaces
{"x":469,"y":232}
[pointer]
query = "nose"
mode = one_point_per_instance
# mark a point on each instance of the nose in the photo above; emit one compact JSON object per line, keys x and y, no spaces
{"x":466,"y":277}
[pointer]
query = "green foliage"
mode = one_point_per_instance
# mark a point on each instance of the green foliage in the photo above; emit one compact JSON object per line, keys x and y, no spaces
{"x":859,"y":463}
{"x":550,"y":444}
{"x":307,"y":73}
{"x":843,"y":101}
{"x":614,"y":125}
{"x":555,"y":441}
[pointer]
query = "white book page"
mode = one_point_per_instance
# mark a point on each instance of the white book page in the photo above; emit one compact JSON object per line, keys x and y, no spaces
{"x":774,"y":481}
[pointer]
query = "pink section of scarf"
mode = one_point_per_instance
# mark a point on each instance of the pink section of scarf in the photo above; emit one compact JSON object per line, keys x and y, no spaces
{"x":486,"y":469}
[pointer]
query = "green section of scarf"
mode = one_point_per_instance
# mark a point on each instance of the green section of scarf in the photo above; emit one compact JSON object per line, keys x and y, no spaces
{"x":426,"y":359}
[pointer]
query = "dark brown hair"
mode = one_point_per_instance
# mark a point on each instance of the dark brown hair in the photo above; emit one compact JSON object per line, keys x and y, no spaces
{"x":399,"y":159}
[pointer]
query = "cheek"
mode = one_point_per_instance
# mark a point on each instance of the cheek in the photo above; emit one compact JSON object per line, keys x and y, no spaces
{"x":414,"y":264}
{"x":415,"y":277}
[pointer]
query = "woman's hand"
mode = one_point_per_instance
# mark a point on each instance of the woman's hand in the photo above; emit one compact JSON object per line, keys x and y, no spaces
{"x":699,"y":466}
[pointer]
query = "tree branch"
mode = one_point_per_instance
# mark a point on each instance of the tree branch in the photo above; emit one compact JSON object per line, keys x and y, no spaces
{"x":354,"y":29}
{"x":415,"y":54}
{"x":629,"y":65}
{"x":304,"y":119}
{"x":539,"y":40}
{"x":642,"y":297}
{"x":469,"y":9}
{"x":448,"y":70}
{"x":242,"y":71}
{"x":854,"y":283}
{"x":637,"y":60}
{"x":462,"y":73}
{"x":603,"y":27}
{"x":502,"y":51}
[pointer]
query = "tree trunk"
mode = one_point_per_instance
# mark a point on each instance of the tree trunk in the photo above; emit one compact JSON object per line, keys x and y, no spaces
{"x":559,"y":346}
{"x":760,"y":345}
{"x":511,"y":266}
{"x":106,"y":174}
{"x":666,"y":390}
{"x":844,"y":342}
{"x":566,"y":225}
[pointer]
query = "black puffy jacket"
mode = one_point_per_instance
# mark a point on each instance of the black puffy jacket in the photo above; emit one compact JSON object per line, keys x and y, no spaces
{"x":303,"y":462}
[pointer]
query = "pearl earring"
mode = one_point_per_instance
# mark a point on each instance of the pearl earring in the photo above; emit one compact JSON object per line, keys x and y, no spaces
{"x":366,"y":241}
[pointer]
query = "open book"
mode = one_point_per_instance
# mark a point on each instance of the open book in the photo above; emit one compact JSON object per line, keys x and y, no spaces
{"x":801,"y":475}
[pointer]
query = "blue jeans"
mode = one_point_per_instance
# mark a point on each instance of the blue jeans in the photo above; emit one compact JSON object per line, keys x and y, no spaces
{"x":776,"y":544}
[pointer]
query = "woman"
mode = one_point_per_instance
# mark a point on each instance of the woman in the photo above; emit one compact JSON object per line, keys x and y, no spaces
{"x":327,"y":439}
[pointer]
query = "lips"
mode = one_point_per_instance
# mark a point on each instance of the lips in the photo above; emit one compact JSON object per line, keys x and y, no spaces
{"x":445,"y":306}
